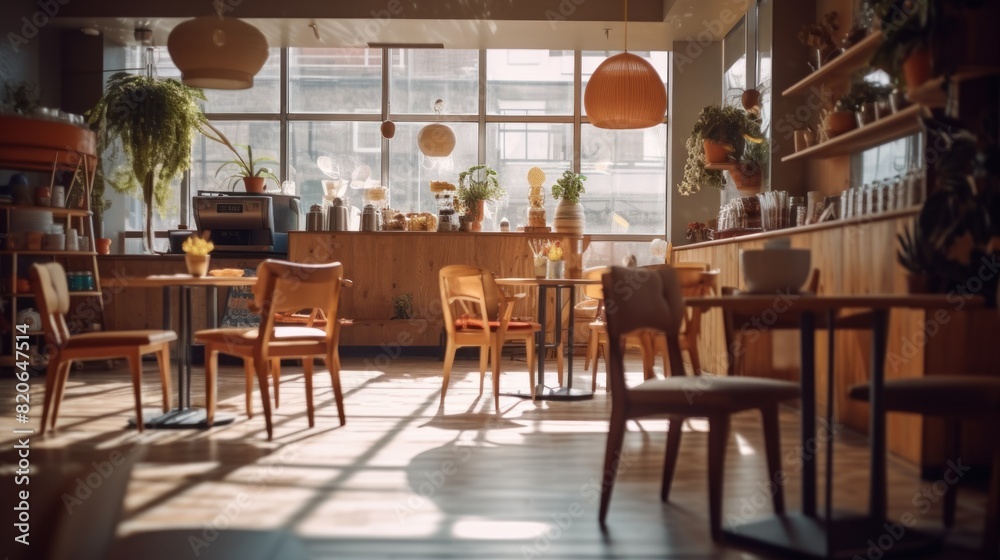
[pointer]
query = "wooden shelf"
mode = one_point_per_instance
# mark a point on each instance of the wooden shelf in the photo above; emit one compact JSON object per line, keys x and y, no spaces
{"x":74,"y":293}
{"x":889,"y":128}
{"x":55,"y":211}
{"x":839,"y":68}
{"x":50,"y":253}
{"x":934,"y":93}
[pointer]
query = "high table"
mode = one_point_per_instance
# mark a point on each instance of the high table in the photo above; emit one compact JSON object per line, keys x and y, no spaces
{"x":834,"y":535}
{"x":567,"y":393}
{"x":184,"y":416}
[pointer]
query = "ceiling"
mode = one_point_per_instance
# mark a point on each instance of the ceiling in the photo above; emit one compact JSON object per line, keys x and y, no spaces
{"x":549,"y":24}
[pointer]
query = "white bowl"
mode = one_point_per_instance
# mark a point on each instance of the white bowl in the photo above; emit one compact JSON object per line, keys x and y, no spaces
{"x":771,"y":270}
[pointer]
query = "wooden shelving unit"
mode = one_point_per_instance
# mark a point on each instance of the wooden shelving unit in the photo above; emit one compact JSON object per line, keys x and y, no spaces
{"x":934,"y":93}
{"x":886,"y":129}
{"x":839,"y":68}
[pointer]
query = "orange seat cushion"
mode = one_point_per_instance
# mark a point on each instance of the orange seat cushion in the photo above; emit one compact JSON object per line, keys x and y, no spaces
{"x":120,"y":338}
{"x":477,"y":324}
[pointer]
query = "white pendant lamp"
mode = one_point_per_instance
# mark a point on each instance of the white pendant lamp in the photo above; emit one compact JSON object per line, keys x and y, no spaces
{"x":436,"y":140}
{"x":217,"y":52}
{"x":625,"y":92}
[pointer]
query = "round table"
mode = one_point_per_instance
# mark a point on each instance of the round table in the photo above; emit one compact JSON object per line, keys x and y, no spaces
{"x":567,"y":393}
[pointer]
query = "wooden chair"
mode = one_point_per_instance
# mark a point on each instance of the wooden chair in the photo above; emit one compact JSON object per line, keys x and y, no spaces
{"x":954,"y":398}
{"x":477,"y":313}
{"x":283,"y":287}
{"x":654,"y":302}
{"x":48,"y":281}
{"x":696,"y":280}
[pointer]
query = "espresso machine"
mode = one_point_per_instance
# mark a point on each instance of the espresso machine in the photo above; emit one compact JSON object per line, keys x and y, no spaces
{"x":242,"y":222}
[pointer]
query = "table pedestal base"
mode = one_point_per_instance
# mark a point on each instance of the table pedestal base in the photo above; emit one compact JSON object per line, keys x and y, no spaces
{"x":799,"y":536}
{"x":543,"y":393}
{"x":178,"y":419}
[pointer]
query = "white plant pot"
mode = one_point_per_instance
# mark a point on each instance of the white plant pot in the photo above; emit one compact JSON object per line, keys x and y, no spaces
{"x":555,"y":269}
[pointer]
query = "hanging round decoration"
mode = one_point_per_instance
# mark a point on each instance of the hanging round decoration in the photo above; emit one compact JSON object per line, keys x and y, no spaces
{"x":388,"y":130}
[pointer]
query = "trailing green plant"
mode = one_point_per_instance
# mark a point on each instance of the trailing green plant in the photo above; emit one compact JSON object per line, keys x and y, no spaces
{"x":153,"y":123}
{"x":477,"y":183}
{"x":695,"y":174}
{"x":734,"y":127}
{"x":569,"y":187}
{"x":22,"y":96}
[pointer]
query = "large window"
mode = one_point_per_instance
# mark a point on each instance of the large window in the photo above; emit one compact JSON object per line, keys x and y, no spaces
{"x":510,"y":109}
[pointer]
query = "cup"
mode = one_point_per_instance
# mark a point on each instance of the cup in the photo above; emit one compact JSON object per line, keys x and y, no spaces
{"x":803,"y":139}
{"x":72,"y":241}
{"x":43,"y":196}
{"x":33,"y":240}
{"x":84,"y":243}
{"x":58,"y":196}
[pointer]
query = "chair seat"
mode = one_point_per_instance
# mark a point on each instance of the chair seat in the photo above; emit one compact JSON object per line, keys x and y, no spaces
{"x":248,"y":336}
{"x":477,"y":325}
{"x":709,"y":391}
{"x":119,"y":338}
{"x":586,"y":310}
{"x":941,"y":395}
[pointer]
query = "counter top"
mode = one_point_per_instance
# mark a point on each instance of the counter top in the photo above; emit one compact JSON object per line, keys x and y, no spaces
{"x":441,"y":233}
{"x":180,"y":256}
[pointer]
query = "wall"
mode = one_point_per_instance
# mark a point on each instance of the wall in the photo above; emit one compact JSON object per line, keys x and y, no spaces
{"x":695,"y":81}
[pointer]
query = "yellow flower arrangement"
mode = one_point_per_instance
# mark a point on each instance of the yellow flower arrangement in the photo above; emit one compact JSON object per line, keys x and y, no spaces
{"x":198,"y":245}
{"x":555,"y":252}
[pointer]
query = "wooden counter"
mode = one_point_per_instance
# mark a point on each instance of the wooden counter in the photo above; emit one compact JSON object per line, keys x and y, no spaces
{"x":858,"y":257}
{"x":387,"y":264}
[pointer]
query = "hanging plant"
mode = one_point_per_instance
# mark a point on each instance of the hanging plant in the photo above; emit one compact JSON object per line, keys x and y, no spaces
{"x":152,"y":123}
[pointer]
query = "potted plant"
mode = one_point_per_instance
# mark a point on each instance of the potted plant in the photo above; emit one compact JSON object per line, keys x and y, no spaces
{"x":196,"y":254}
{"x":842,"y":118}
{"x":569,"y":217}
{"x":476,"y":185}
{"x":695,"y":174}
{"x":749,"y":172}
{"x":249,"y":169}
{"x":154,"y":135}
{"x":402,"y":306}
{"x":734,"y":128}
{"x":721,"y":130}
{"x":819,"y":37}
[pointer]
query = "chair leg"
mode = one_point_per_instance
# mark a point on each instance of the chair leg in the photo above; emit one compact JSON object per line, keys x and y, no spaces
{"x":991,"y":533}
{"x":693,"y":354}
{"x":211,"y":380}
{"x":163,"y":360}
{"x":60,"y":390}
{"x":529,"y":352}
{"x":612,"y":456}
{"x":307,"y":368}
{"x":648,"y":356}
{"x":449,"y":360}
{"x":52,"y":375}
{"x":261,"y":367}
{"x":135,"y":365}
{"x":497,"y":346}
{"x":670,"y":460}
{"x":249,"y":372}
{"x":333,"y":363}
{"x":718,"y":438}
{"x":593,"y":347}
{"x":276,"y":377}
{"x":484,"y":360}
{"x":772,"y":449}
{"x":591,"y":343}
{"x":952,"y":451}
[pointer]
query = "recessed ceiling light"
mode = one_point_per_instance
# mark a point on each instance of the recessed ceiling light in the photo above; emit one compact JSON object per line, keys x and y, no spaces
{"x":91,"y":31}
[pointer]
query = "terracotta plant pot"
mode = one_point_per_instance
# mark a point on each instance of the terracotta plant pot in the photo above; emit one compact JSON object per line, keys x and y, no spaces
{"x":569,"y":218}
{"x":477,"y":219}
{"x":840,"y":122}
{"x":917,"y":68}
{"x":715,"y":152}
{"x":197,"y":265}
{"x":746,"y":182}
{"x":254,"y":184}
{"x":103,"y":245}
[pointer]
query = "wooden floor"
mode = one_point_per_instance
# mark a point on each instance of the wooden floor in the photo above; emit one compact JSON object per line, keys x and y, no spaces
{"x":406,"y":478}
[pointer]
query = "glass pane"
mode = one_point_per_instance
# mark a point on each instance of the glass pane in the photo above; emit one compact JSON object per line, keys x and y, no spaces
{"x":420,"y":76}
{"x":514,"y":148}
{"x":734,"y":54}
{"x":616,"y":253}
{"x":208,"y":156}
{"x":263,"y":97}
{"x":410,"y":172}
{"x":626,"y":179}
{"x":529,"y":82}
{"x":334,"y":80}
{"x":592,"y":59}
{"x":354,"y":149}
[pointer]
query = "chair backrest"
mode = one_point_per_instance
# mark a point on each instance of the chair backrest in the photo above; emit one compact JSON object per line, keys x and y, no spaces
{"x":284,"y":286}
{"x":594,"y":291}
{"x":462,"y":290}
{"x":48,"y":281}
{"x":637,"y":299}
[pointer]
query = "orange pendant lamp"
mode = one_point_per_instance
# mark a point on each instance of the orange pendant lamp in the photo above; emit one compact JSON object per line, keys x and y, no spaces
{"x":625,"y":92}
{"x":217,"y":52}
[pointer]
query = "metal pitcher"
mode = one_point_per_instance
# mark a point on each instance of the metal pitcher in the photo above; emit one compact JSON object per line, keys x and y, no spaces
{"x":369,"y":218}
{"x":338,"y":217}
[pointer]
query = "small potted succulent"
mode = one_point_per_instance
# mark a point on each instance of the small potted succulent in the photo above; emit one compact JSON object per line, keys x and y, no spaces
{"x":196,"y":254}
{"x":250,"y":170}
